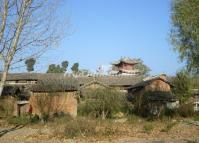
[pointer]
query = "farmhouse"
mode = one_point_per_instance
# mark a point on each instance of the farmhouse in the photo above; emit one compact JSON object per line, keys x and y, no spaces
{"x":52,"y":93}
{"x":154,"y":93}
{"x":61,"y":91}
{"x":117,"y":82}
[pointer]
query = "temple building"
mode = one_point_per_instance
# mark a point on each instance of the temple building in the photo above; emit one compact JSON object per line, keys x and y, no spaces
{"x":124,"y":66}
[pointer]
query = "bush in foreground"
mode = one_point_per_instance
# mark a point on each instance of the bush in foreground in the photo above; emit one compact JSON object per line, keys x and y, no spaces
{"x":103,"y":103}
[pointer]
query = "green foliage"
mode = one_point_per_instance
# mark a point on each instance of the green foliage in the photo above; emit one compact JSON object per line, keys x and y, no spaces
{"x":171,"y":112}
{"x":102,"y":103}
{"x":21,"y":120}
{"x":30,"y":64}
{"x":148,"y":128}
{"x":192,"y":141}
{"x":52,"y":68}
{"x":196,"y":117}
{"x":64,"y":65}
{"x":185,"y":31}
{"x":182,"y":86}
{"x":186,"y":110}
{"x":144,"y":69}
{"x":35,"y":119}
{"x":75,"y":68}
{"x":195,"y":82}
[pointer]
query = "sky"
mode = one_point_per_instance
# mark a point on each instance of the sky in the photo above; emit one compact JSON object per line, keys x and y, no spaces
{"x":103,"y":31}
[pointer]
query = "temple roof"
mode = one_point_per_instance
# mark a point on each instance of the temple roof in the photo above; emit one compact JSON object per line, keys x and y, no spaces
{"x":126,"y":60}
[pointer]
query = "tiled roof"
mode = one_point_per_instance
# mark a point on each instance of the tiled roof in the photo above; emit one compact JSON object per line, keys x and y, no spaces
{"x":66,"y":81}
{"x":55,"y":85}
{"x":148,"y":81}
{"x":126,"y":60}
{"x":34,"y":76}
{"x":112,"y":80}
{"x":161,"y":96}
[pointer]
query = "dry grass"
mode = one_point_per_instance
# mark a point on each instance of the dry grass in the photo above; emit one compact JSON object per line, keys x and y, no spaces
{"x":93,"y":130}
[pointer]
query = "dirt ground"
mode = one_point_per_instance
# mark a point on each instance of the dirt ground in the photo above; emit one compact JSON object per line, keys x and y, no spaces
{"x":182,"y":132}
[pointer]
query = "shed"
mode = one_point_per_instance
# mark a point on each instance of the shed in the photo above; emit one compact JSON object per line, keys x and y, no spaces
{"x":156,"y":91}
{"x":54,"y":95}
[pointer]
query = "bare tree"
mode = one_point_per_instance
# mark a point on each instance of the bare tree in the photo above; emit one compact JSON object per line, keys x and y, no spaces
{"x":27,"y":29}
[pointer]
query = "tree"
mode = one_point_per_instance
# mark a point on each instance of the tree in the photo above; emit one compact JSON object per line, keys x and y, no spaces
{"x":27,"y":29}
{"x":144,"y":69}
{"x":75,"y":68}
{"x":30,"y":64}
{"x":182,"y":85}
{"x":64,"y":65}
{"x":52,"y":68}
{"x":185,"y":32}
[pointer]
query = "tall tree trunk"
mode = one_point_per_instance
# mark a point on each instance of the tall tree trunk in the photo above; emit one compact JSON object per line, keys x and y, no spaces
{"x":14,"y":43}
{"x":3,"y":78}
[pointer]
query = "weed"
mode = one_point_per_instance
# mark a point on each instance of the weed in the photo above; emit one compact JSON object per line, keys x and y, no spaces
{"x":132,"y":119}
{"x":148,"y":128}
{"x":196,"y":117}
{"x":192,"y":141}
{"x":22,"y":120}
{"x":169,"y":126}
{"x":79,"y":127}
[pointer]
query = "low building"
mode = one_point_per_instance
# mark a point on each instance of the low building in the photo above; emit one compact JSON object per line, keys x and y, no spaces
{"x":156,"y":91}
{"x":51,"y":93}
{"x":120,"y":83}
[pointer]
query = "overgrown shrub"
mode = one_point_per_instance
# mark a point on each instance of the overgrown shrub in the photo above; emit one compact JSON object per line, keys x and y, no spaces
{"x":186,"y":110}
{"x":196,"y":117}
{"x":145,"y":107}
{"x":61,"y":118}
{"x":35,"y":119}
{"x":148,"y":128}
{"x":170,"y":112}
{"x":21,"y":120}
{"x":102,"y":103}
{"x":182,"y":86}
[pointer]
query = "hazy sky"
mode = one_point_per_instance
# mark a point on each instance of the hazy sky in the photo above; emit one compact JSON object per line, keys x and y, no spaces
{"x":102,"y":31}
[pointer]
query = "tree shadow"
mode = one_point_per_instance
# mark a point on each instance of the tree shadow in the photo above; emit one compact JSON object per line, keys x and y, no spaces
{"x":5,"y":131}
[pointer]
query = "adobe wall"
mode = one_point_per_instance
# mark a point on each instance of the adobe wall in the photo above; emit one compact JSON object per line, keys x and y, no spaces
{"x":51,"y":103}
{"x":9,"y":104}
{"x":158,"y":85}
